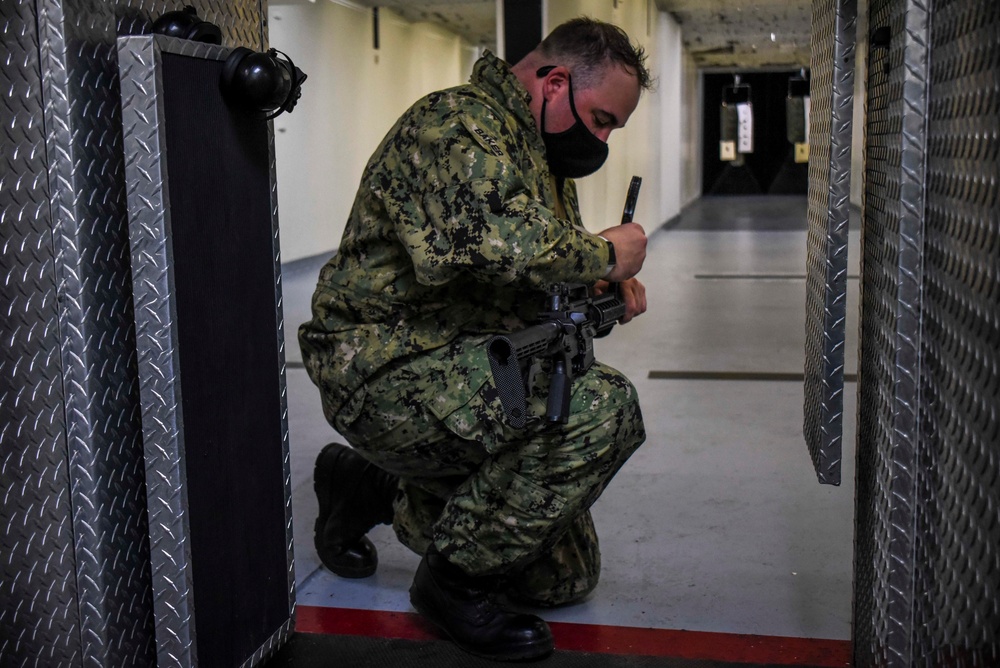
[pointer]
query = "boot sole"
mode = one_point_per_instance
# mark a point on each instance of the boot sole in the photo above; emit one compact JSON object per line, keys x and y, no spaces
{"x":322,"y":489}
{"x":536,"y":650}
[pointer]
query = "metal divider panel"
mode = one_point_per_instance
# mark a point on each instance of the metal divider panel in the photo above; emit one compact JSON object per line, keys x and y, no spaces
{"x":890,"y":333}
{"x":211,"y":360}
{"x":832,"y":96}
{"x":957,"y":615}
{"x":97,"y":341}
{"x":75,"y":537}
{"x":39,"y":622}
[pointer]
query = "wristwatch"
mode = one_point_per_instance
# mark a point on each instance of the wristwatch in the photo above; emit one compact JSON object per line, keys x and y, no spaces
{"x":612,"y":260}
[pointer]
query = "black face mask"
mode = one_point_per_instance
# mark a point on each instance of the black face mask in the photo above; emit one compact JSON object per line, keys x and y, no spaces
{"x":576,"y":152}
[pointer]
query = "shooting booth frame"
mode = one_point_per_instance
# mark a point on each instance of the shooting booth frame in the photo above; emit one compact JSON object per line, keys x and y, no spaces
{"x":203,"y":233}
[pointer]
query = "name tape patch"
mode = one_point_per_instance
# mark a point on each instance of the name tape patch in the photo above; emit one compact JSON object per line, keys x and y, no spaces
{"x":491,"y":143}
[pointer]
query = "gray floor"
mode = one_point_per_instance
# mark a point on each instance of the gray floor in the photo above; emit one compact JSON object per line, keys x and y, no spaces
{"x":717,"y":523}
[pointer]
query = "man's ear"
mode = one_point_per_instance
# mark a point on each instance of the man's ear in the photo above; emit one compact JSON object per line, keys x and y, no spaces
{"x":555,"y":81}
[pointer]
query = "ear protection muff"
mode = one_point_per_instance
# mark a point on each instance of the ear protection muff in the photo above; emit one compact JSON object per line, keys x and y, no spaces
{"x":186,"y":25}
{"x":262,"y":82}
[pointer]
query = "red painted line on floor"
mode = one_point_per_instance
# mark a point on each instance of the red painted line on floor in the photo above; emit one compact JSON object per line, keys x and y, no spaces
{"x":624,"y":640}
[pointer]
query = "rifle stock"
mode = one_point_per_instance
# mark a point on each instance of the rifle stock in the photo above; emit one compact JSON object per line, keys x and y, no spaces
{"x":508,"y":354}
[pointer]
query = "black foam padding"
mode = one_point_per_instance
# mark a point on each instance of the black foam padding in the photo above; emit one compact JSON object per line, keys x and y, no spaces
{"x":220,"y":235}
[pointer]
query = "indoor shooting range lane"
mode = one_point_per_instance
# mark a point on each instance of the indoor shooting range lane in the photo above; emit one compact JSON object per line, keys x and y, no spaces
{"x":717,"y":523}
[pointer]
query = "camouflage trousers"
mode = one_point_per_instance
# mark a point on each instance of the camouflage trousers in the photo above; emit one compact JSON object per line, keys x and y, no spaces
{"x":493,"y":499}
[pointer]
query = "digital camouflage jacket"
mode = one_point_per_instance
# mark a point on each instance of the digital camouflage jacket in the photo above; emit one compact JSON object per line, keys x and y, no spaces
{"x":453,"y":236}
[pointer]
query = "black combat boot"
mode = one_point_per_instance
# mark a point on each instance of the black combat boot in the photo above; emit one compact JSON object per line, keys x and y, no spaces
{"x":465,"y":608}
{"x":354,"y":495}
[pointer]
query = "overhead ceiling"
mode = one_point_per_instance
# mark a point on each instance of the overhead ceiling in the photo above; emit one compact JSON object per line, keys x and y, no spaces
{"x":475,"y":20}
{"x":744,"y":34}
{"x":724,"y":34}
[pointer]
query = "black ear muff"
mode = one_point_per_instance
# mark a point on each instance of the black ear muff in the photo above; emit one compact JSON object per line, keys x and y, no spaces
{"x":260,"y":82}
{"x":186,"y":25}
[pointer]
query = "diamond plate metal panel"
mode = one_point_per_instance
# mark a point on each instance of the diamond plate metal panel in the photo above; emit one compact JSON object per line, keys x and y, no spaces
{"x":38,"y":615}
{"x":957,"y":612}
{"x":279,"y":638}
{"x":96,"y":341}
{"x":241,"y":21}
{"x":831,"y":114}
{"x":72,"y":467}
{"x":889,"y":368}
{"x":157,"y":342}
{"x":169,"y":546}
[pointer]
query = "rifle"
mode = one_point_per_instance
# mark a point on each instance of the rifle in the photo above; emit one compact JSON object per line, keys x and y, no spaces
{"x":564,"y":334}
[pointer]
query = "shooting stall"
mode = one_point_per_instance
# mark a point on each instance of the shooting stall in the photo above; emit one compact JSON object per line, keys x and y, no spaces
{"x":143,"y":523}
{"x":926,"y":565}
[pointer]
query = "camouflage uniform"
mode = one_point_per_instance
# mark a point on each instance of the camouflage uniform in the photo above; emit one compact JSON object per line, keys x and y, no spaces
{"x":455,"y":234}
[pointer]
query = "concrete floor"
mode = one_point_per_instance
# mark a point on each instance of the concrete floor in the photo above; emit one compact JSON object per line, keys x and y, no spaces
{"x":717,"y":523}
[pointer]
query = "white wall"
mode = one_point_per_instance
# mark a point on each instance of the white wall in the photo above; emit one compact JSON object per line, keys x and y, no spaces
{"x":692,"y":108}
{"x":680,"y":136}
{"x":352,"y":97}
{"x":355,"y":93}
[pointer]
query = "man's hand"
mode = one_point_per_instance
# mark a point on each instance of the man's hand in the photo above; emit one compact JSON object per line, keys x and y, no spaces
{"x":634,"y":294}
{"x":630,"y":250}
